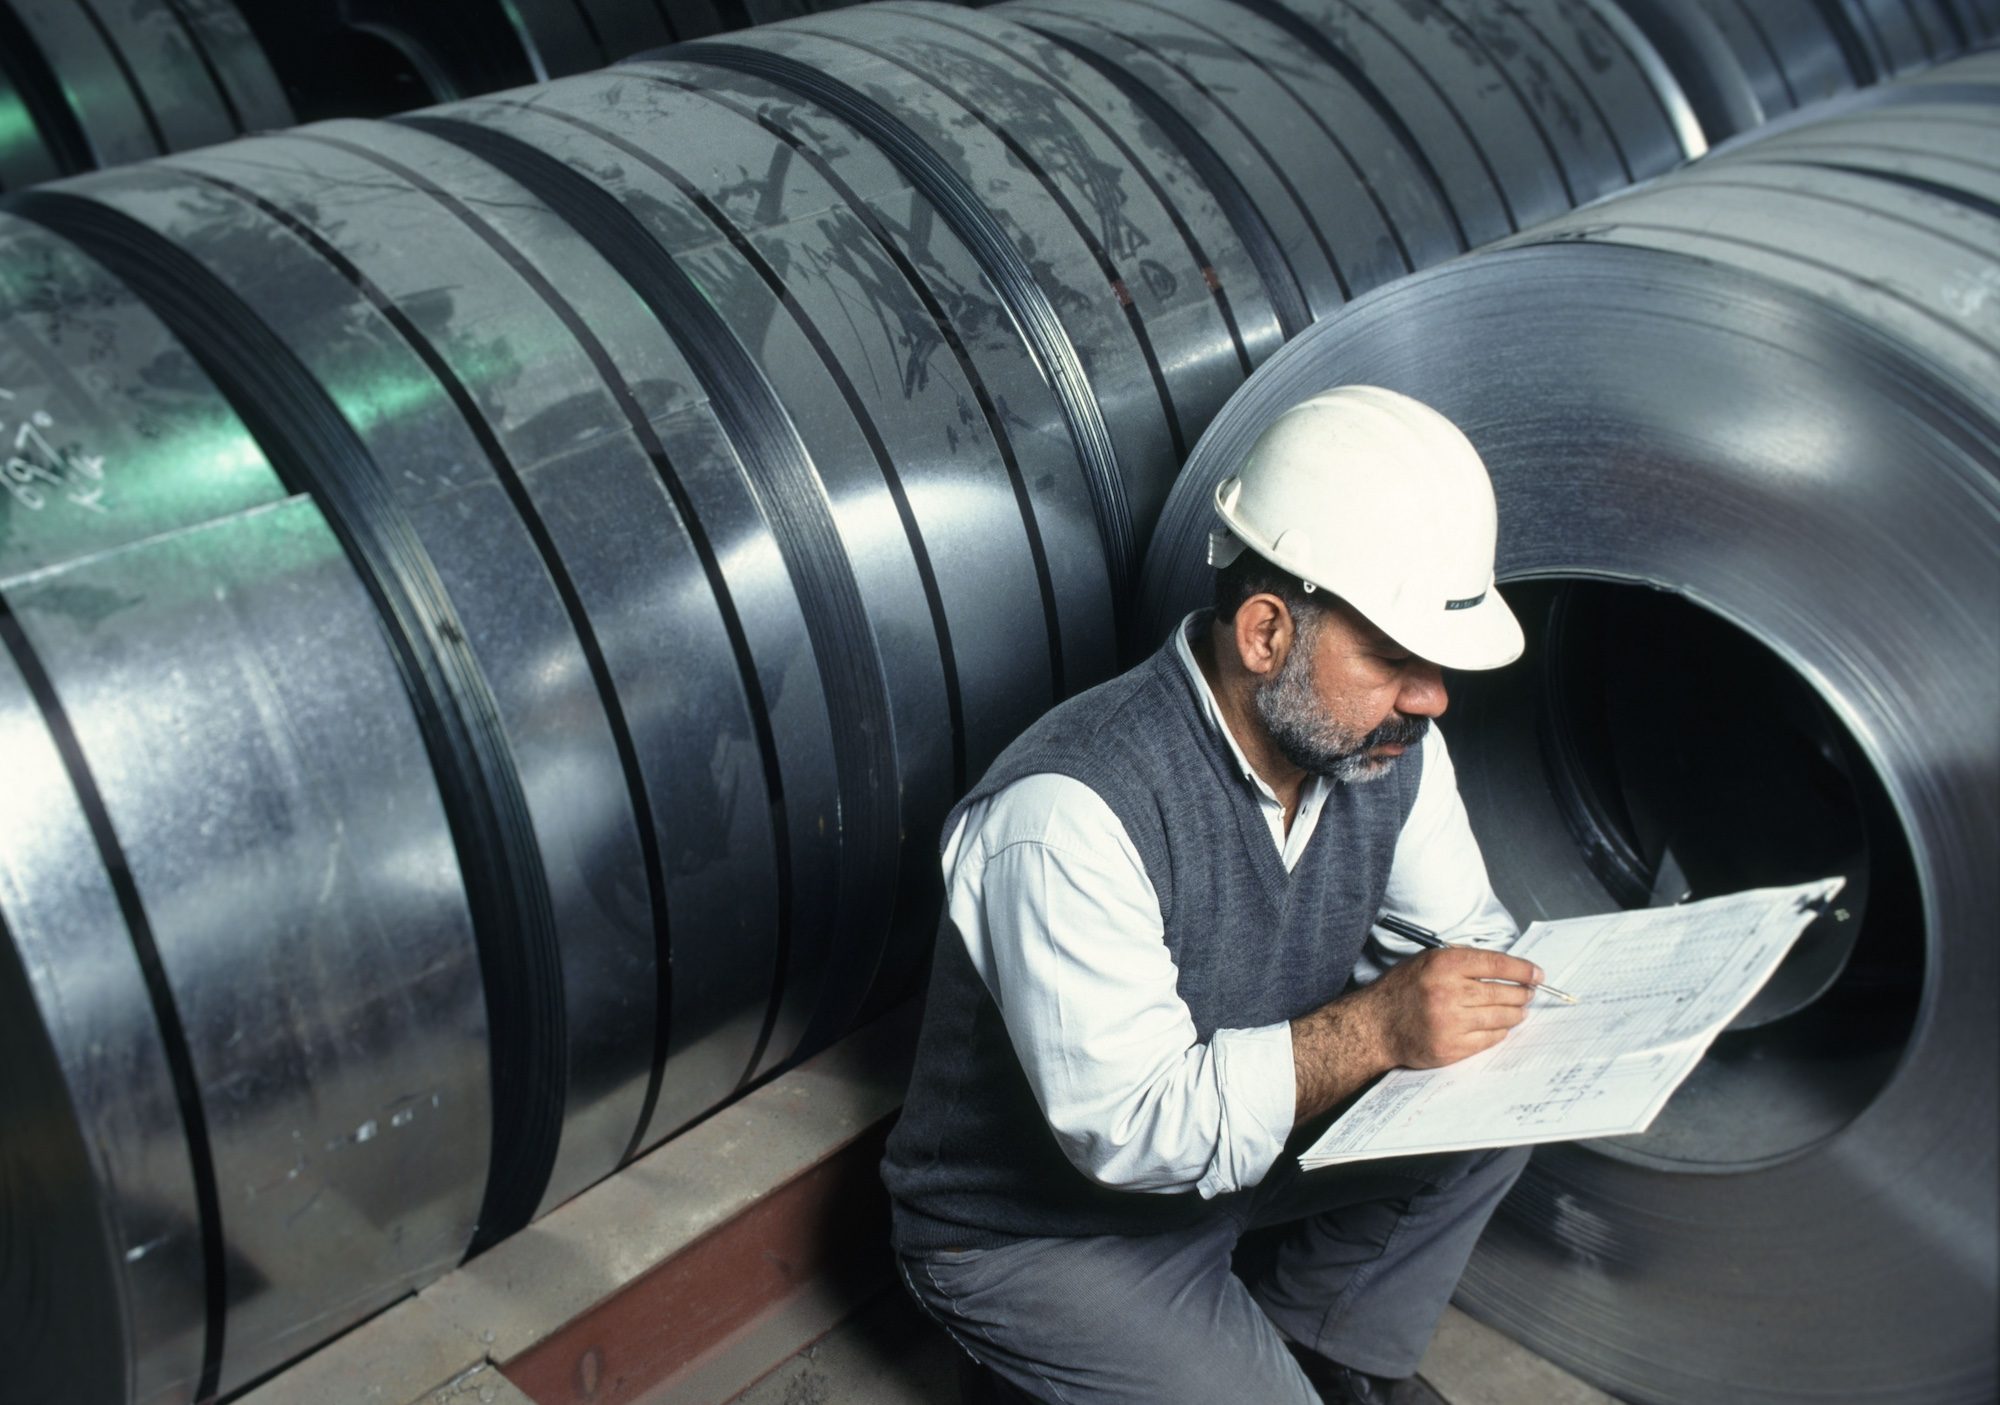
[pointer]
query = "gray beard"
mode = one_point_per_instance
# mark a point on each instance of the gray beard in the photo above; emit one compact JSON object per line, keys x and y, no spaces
{"x":1312,"y":740}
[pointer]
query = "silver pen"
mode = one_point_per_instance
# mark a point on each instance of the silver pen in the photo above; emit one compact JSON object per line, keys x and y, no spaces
{"x":1424,"y":936}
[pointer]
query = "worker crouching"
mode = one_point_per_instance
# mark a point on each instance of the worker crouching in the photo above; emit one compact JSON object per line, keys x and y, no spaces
{"x":1158,"y":968}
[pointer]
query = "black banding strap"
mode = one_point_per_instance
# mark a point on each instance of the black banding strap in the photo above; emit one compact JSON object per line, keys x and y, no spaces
{"x":1329,"y":53}
{"x":315,"y":450}
{"x":781,"y":475}
{"x":467,"y":405}
{"x":947,"y":332}
{"x":1266,"y":255}
{"x":1026,"y":301}
{"x":159,"y":994}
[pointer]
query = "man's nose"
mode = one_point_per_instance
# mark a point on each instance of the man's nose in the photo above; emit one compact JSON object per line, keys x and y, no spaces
{"x":1423,"y":692}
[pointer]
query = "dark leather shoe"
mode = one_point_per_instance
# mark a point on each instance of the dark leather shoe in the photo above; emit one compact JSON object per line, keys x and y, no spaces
{"x":1343,"y":1385}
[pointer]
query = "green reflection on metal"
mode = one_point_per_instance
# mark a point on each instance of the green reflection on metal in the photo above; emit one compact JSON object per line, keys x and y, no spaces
{"x":109,"y":431}
{"x":17,"y":129}
{"x":254,"y":552}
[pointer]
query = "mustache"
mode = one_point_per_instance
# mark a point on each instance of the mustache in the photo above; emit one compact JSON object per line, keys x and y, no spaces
{"x":1397,"y":731}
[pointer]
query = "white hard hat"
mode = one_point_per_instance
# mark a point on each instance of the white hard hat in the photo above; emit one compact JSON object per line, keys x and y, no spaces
{"x":1381,"y":500}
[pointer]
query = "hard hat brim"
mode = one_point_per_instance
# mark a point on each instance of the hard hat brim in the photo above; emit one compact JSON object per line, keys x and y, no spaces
{"x":1479,"y":637}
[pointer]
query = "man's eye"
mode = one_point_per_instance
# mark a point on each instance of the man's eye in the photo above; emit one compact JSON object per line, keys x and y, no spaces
{"x":1396,"y":660}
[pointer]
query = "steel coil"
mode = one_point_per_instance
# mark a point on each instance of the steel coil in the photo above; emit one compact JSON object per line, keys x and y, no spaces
{"x":235,"y":907}
{"x":1744,"y":434}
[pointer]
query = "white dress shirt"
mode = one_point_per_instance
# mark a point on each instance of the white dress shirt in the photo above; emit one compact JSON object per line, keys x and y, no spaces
{"x":1136,"y":1100}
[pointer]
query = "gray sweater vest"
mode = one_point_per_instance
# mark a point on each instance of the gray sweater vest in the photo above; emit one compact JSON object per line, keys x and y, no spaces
{"x":973,"y":1162}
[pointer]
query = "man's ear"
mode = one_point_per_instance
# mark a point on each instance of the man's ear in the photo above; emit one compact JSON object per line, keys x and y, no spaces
{"x":1263,"y":628}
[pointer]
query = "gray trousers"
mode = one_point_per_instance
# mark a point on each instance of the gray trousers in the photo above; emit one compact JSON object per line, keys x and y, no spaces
{"x":1362,"y":1275}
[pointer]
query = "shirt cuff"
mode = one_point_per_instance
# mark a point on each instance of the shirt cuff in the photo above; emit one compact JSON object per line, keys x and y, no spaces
{"x":1258,"y":1091}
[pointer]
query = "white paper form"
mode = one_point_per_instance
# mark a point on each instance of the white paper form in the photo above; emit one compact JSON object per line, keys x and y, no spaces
{"x":1655,"y":986}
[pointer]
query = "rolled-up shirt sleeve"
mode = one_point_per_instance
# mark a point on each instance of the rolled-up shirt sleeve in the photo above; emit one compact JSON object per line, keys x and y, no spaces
{"x":1438,"y":878}
{"x":1052,"y":900}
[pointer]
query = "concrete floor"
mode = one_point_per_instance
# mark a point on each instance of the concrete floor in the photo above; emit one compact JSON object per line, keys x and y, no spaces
{"x":889,"y":1354}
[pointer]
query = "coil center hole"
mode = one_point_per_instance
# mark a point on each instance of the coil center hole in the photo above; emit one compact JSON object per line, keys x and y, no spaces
{"x":1645,"y":751}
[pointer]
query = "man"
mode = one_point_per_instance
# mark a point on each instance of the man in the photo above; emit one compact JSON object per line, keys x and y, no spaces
{"x":1156,"y":963}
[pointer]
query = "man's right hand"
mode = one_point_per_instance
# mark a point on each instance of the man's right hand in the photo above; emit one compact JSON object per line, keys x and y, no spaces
{"x":1434,"y":1008}
{"x":1438,"y":1007}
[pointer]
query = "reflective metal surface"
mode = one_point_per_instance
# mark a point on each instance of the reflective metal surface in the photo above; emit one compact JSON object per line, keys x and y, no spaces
{"x":250,"y":945}
{"x":1368,"y":214}
{"x":107,"y":113}
{"x":101,"y":82}
{"x":1104,"y":255}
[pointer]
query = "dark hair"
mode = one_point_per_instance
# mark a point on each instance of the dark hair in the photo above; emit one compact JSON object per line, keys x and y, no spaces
{"x":1251,"y":574}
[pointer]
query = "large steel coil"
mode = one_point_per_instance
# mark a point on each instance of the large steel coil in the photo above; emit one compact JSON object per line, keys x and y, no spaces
{"x":1744,"y":429}
{"x":496,"y":604}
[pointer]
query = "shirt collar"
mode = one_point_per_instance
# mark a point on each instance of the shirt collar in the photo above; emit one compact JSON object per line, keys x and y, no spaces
{"x":1213,"y":710}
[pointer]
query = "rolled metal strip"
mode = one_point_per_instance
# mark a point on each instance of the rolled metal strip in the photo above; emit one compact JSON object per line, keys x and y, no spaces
{"x":826,"y":503}
{"x":1800,"y":52}
{"x":1621,"y":77}
{"x":1698,"y":51}
{"x":1931,"y":148}
{"x":1514,"y":145}
{"x":841,"y":505}
{"x":1908,"y":34}
{"x":104,"y":1273}
{"x":232,"y":737}
{"x":1125,"y":267}
{"x":550,"y":439}
{"x":1408,"y":100}
{"x":198,"y":255}
{"x":849,"y":342}
{"x":1371,"y":210}
{"x":1979,"y":19}
{"x":1204,"y":235}
{"x":1117,"y":56}
{"x":893,"y":439}
{"x":167,"y":70}
{"x":1105,"y":429}
{"x":1780,"y":479}
{"x":966,"y":317}
{"x":237,"y":63}
{"x":1980,"y":67}
{"x":1913,"y":262}
{"x":99,"y":103}
{"x":1521,"y":45}
{"x":1669,"y":93}
{"x":595,"y":461}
